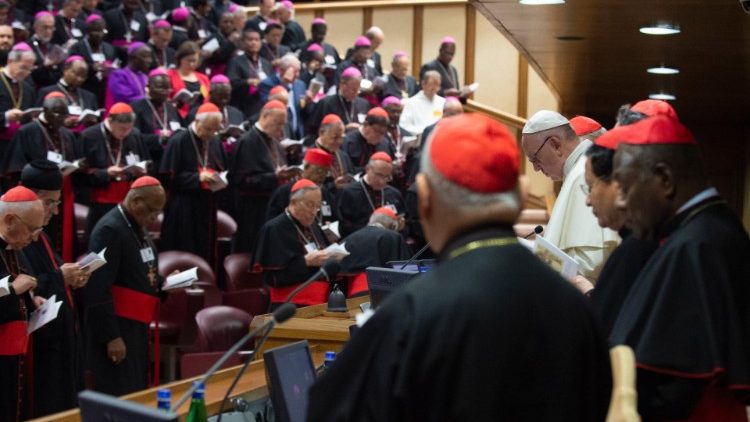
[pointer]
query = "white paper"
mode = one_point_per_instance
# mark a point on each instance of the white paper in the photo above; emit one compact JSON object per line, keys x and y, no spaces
{"x":66,"y":167}
{"x":135,"y":25}
{"x":330,"y":59}
{"x":76,"y":33}
{"x":181,"y":279}
{"x":88,"y":112}
{"x":46,"y":313}
{"x":365,"y":84}
{"x":93,"y":261}
{"x":174,"y":125}
{"x":55,"y":157}
{"x":143,"y":165}
{"x":98,"y":57}
{"x":338,"y":249}
{"x":219,"y":182}
{"x":334,"y":227}
{"x":202,"y":33}
{"x":75,"y":110}
{"x":286,"y":143}
{"x":211,"y":46}
{"x":555,"y":258}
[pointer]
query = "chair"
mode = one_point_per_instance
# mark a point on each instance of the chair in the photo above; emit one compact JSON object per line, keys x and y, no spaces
{"x":623,"y":407}
{"x":196,"y":364}
{"x":253,"y":301}
{"x":225,"y":226}
{"x":219,"y":327}
{"x":238,"y":274}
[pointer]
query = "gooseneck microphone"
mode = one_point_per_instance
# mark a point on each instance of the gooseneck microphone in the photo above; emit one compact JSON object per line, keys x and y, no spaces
{"x":282,"y":313}
{"x":416,"y":255}
{"x":537,"y":230}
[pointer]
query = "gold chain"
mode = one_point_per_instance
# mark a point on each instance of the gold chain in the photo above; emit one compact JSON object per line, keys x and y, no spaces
{"x":495,"y":242}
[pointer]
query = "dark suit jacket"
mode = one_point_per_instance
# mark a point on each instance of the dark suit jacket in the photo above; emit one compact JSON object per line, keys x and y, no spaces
{"x":374,"y":61}
{"x":239,"y":71}
{"x":391,"y":88}
{"x":296,"y":96}
{"x":61,"y":34}
{"x":445,"y":78}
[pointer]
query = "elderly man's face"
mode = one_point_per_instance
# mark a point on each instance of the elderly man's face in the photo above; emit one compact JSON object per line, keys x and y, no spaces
{"x":208,"y":128}
{"x":332,"y":137}
{"x":431,"y":86}
{"x":51,"y":201}
{"x":305,"y":209}
{"x":142,"y":58}
{"x":6,"y":37}
{"x":543,"y":151}
{"x":161,"y":37}
{"x":379,"y":173}
{"x":645,"y":205}
{"x":447,"y":51}
{"x":601,"y":197}
{"x":158,"y":88}
{"x":350,"y":88}
{"x":273,"y":122}
{"x":400,"y":67}
{"x":55,"y":112}
{"x":24,"y":227}
{"x":373,"y":133}
{"x":226,"y":24}
{"x":120,"y":131}
{"x":21,"y":69}
{"x":76,"y":73}
{"x":221,"y":94}
{"x":44,"y":27}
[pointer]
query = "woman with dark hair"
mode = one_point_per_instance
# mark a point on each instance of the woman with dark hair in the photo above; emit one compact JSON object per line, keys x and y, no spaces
{"x":185,"y":77}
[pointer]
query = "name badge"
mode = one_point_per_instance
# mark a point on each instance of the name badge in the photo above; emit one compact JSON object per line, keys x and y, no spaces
{"x":262,"y":26}
{"x":55,"y":157}
{"x":76,"y":33}
{"x":151,"y":16}
{"x":392,"y":208}
{"x":325,"y":210}
{"x":371,"y":62}
{"x":437,"y":113}
{"x":132,"y":158}
{"x":135,"y":26}
{"x":147,"y":254}
{"x":75,"y":110}
{"x":311,"y":247}
{"x":361,"y":117}
{"x":174,"y":125}
{"x":330,"y":59}
{"x":202,"y":33}
{"x":98,"y":57}
{"x":262,"y":75}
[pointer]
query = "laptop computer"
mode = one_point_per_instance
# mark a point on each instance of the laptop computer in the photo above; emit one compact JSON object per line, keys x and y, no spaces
{"x":382,"y":281}
{"x":290,"y":374}
{"x":98,"y":407}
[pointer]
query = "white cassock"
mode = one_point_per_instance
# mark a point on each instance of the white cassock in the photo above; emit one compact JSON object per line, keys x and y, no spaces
{"x":573,"y":227}
{"x":420,"y":112}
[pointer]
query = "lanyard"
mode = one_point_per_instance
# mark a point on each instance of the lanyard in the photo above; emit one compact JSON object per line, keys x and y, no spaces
{"x":146,"y":243}
{"x":203,"y":164}
{"x":162,"y":123}
{"x":271,"y":151}
{"x":369,"y":199}
{"x":49,"y":139}
{"x":16,"y":101}
{"x":495,"y":242}
{"x":301,"y":233}
{"x":109,"y":149}
{"x":349,"y":114}
{"x":73,"y":100}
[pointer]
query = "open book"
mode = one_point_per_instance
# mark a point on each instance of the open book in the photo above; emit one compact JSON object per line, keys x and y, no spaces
{"x":181,"y":280}
{"x":186,"y":97}
{"x":338,"y":250}
{"x":46,"y":313}
{"x":66,"y":167}
{"x":219,"y":181}
{"x":211,"y":45}
{"x":32,"y":112}
{"x":286,"y":143}
{"x":142,"y":165}
{"x":90,"y":113}
{"x":555,"y":258}
{"x":93,"y":261}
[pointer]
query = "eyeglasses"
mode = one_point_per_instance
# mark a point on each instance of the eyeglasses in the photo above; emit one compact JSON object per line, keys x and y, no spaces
{"x":585,"y":188}
{"x":533,"y":158}
{"x":34,"y":231}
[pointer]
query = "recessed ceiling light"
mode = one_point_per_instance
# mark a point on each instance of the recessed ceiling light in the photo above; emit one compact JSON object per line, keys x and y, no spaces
{"x":662,"y":96}
{"x":660,"y":29}
{"x":663,"y":70}
{"x":541,"y":2}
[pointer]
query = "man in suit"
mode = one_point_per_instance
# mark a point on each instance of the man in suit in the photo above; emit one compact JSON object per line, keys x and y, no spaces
{"x":399,"y":83}
{"x":450,"y":86}
{"x":299,"y":103}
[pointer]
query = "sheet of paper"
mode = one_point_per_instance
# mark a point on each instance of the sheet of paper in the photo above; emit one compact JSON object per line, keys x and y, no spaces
{"x":45,"y":314}
{"x":181,"y":279}
{"x":337,"y":249}
{"x":555,"y":258}
{"x":286,"y":143}
{"x":93,"y":261}
{"x":211,"y":46}
{"x":334,"y":227}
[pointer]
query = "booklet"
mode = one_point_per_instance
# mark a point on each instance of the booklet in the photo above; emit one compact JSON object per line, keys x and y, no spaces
{"x":337,"y":249}
{"x":181,"y":280}
{"x":90,"y":113}
{"x":469,"y":89}
{"x":286,"y":143}
{"x":211,"y":45}
{"x":46,"y":313}
{"x":184,"y":96}
{"x":32,"y":112}
{"x":555,"y":258}
{"x":66,"y":167}
{"x":219,"y":182}
{"x":93,"y":261}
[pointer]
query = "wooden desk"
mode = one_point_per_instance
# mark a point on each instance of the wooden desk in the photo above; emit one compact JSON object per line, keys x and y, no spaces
{"x":251,"y":386}
{"x":326,"y":330}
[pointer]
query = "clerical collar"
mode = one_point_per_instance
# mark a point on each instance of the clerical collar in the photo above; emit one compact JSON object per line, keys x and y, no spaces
{"x":43,"y":119}
{"x":260,"y":129}
{"x":319,"y":145}
{"x":7,"y":75}
{"x":476,"y":234}
{"x":572,"y":159}
{"x":62,"y":82}
{"x":700,"y":197}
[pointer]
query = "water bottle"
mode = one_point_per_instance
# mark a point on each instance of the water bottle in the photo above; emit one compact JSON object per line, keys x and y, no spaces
{"x":327,"y":362}
{"x":164,"y":399}
{"x":197,"y":411}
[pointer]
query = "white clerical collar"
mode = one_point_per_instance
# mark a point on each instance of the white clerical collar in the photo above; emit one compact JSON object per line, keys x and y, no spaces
{"x":572,"y":159}
{"x":702,"y":196}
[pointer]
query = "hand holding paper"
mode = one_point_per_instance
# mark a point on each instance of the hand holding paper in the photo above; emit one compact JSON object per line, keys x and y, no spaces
{"x":181,"y":280}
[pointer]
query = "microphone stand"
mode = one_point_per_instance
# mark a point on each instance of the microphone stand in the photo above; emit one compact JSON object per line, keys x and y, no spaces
{"x":416,"y":255}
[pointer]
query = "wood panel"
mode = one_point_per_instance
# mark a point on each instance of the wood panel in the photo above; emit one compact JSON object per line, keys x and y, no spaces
{"x":440,"y":21}
{"x":417,"y":40}
{"x":398,"y":25}
{"x":343,"y":28}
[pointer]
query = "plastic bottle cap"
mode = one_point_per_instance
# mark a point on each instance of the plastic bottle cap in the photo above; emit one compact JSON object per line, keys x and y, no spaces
{"x":164,"y":393}
{"x":330,"y":356}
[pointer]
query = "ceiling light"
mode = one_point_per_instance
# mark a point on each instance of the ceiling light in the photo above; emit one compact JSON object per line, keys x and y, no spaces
{"x":662,"y":96}
{"x":541,"y":2}
{"x":663,"y":70}
{"x":660,"y":29}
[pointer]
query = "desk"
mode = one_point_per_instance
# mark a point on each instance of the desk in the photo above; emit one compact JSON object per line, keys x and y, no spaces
{"x":326,"y":330}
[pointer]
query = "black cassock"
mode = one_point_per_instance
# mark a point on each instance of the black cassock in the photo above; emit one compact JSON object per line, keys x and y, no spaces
{"x":190,"y":213}
{"x":294,"y":35}
{"x":687,"y":316}
{"x":58,"y":346}
{"x":373,"y":246}
{"x":281,"y":256}
{"x":102,"y":150}
{"x":617,"y":276}
{"x":156,"y":124}
{"x":349,"y":112}
{"x":124,"y":280}
{"x":448,"y":75}
{"x":14,"y":311}
{"x":490,"y":333}
{"x":357,"y":200}
{"x":239,"y":70}
{"x":96,"y":82}
{"x":30,"y":143}
{"x":252,"y":172}
{"x":280,"y":200}
{"x":359,"y":150}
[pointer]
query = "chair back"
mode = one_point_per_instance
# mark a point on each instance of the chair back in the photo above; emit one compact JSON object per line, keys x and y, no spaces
{"x":219,"y":327}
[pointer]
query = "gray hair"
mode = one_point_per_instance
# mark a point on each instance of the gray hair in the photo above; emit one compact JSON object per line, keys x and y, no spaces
{"x":462,"y":198}
{"x":593,"y":135}
{"x":300,"y":193}
{"x":432,"y":74}
{"x":374,"y":30}
{"x":202,"y":117}
{"x":18,"y":55}
{"x":18,"y":208}
{"x":384,"y":221}
{"x":288,"y":60}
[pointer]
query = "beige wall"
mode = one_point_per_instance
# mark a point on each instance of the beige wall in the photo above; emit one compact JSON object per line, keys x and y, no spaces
{"x":438,"y":22}
{"x":343,"y":28}
{"x":495,"y":68}
{"x":305,"y":18}
{"x":397,"y":24}
{"x":539,"y":97}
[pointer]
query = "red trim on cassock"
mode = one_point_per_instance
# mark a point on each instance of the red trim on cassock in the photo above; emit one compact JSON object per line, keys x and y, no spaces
{"x":717,"y":404}
{"x":68,"y":221}
{"x":314,"y":294}
{"x":135,"y":305}
{"x":14,"y":339}
{"x":114,"y":193}
{"x":357,"y":284}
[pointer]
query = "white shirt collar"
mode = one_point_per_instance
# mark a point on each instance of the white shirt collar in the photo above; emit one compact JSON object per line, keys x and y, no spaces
{"x":702,"y":196}
{"x":572,"y":159}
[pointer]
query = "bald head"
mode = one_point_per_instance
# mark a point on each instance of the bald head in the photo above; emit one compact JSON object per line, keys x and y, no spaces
{"x":145,"y":203}
{"x":376,"y":37}
{"x":452,"y":107}
{"x":272,"y":121}
{"x":21,"y":222}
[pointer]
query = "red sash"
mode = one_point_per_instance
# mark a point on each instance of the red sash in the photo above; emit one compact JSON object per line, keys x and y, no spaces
{"x":314,"y":294}
{"x":13,"y":338}
{"x":141,"y":307}
{"x":7,"y":134}
{"x":718,"y":404}
{"x":112,"y":194}
{"x":357,"y":284}
{"x":205,"y":185}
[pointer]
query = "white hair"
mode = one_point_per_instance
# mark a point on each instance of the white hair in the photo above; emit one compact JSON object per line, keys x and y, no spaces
{"x":287,"y":60}
{"x":202,"y":117}
{"x":593,"y":135}
{"x":18,"y":55}
{"x":374,"y":30}
{"x":432,"y":74}
{"x":300,"y":193}
{"x":18,"y":208}
{"x":384,"y":220}
{"x":462,"y":198}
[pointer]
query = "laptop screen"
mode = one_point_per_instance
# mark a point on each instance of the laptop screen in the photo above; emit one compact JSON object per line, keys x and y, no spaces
{"x":290,"y":373}
{"x":98,"y":407}
{"x":382,"y":281}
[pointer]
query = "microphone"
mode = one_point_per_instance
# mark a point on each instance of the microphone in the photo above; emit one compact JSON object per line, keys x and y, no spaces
{"x":330,"y":269}
{"x":416,"y":255}
{"x":537,"y":230}
{"x":282,"y":313}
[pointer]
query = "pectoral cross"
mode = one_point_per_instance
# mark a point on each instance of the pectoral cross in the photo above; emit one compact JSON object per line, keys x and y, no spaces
{"x":128,"y":37}
{"x":152,"y":274}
